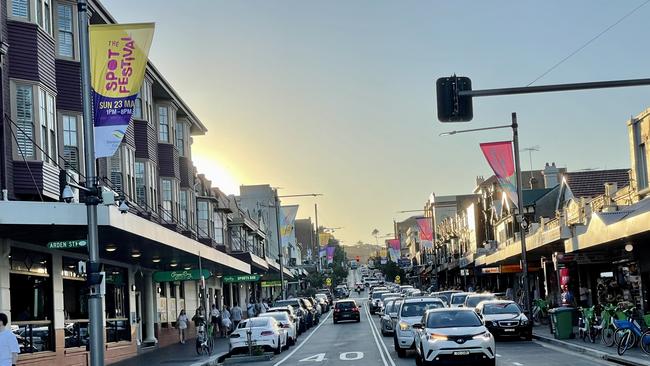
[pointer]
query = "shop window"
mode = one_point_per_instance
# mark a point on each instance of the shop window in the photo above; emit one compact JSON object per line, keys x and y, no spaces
{"x":117,"y":304}
{"x":32,"y":311}
{"x":75,"y":304}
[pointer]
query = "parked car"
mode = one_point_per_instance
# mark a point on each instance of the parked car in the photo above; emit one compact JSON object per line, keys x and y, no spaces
{"x":323,"y":301}
{"x":289,"y":310}
{"x":306,"y":318}
{"x":316,"y":305}
{"x":374,"y":300}
{"x":410,"y":312}
{"x":346,"y":310}
{"x":328,"y":293}
{"x":403,"y":288}
{"x":285,"y":322}
{"x":457,"y":299}
{"x":312,"y":313}
{"x":453,"y":335}
{"x":504,"y":318}
{"x":264,"y":332}
{"x":472,"y":300}
{"x":383,"y":298}
{"x":389,"y":316}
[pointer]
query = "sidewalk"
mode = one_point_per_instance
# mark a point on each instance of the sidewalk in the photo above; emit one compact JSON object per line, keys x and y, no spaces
{"x":178,"y":354}
{"x":633,"y":356}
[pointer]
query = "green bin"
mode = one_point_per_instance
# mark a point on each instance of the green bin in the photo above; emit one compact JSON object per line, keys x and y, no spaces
{"x":562,"y":322}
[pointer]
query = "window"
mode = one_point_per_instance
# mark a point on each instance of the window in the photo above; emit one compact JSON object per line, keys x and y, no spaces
{"x":183,"y":207}
{"x":137,"y":109}
{"x":116,"y":169}
{"x":25,"y":120}
{"x":163,"y":121}
{"x":218,"y":228}
{"x":65,"y":34}
{"x":140,"y":184}
{"x":641,"y":157}
{"x":167,"y":199}
{"x":20,"y":8}
{"x":202,"y":213}
{"x":180,"y":136}
{"x":51,"y":126}
{"x":70,"y":144}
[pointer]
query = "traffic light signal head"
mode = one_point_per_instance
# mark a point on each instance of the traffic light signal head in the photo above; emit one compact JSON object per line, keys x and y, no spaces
{"x":358,"y":258}
{"x":451,"y":106}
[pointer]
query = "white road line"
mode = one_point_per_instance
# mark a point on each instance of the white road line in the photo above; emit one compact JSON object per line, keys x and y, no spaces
{"x":372,"y":330}
{"x":381,"y":337}
{"x":498,"y":355}
{"x":322,"y":321}
{"x":518,"y":364}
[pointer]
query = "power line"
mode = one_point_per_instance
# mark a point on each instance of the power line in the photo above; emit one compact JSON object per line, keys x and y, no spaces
{"x":588,"y":42}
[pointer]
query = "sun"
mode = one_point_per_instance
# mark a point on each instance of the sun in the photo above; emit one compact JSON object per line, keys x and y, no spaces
{"x":216,"y":171}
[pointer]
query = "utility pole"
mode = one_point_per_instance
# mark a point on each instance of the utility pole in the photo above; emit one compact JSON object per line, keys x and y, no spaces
{"x":277,"y":225}
{"x":519,"y":218}
{"x":95,"y":300}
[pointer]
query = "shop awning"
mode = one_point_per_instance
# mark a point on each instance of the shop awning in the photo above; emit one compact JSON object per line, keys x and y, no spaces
{"x":254,"y":261}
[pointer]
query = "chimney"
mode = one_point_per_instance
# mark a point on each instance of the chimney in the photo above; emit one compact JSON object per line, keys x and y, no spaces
{"x":551,"y":175}
{"x":533,"y":183}
{"x":479,"y":180}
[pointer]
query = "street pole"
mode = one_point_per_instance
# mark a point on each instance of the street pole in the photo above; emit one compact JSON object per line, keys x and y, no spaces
{"x":95,"y":313}
{"x":519,"y":218}
{"x":277,"y":225}
{"x":317,"y":236}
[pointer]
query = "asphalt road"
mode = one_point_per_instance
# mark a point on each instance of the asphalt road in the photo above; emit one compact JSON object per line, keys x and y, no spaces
{"x":361,"y":344}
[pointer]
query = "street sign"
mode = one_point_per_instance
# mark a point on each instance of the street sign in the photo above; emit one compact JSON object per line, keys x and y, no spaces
{"x":464,"y":272}
{"x":171,"y":276}
{"x":328,"y":281}
{"x":242,"y":278}
{"x":66,"y":244}
{"x":276,"y":283}
{"x":398,"y":279}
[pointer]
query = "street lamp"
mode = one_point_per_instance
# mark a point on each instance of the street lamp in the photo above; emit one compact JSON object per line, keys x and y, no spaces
{"x":520,"y":209}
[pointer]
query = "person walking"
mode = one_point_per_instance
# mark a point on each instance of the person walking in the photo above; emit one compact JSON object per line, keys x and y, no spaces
{"x":181,"y":324}
{"x":9,"y":348}
{"x":215,"y":314}
{"x":250,"y":309}
{"x":236,"y":314}
{"x":226,"y":323}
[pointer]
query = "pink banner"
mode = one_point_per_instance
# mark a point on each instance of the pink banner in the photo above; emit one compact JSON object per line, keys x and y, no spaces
{"x":394,"y":249}
{"x":330,"y":254}
{"x":426,"y":232}
{"x":499,"y":156}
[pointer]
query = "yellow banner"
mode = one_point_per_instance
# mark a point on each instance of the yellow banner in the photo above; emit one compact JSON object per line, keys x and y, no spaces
{"x":118,"y":60}
{"x":323,"y":239}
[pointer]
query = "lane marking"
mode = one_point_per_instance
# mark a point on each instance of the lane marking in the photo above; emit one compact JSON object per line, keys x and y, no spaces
{"x":372,"y":330}
{"x":351,"y":356}
{"x":320,"y":324}
{"x":379,"y":336}
{"x":518,"y":364}
{"x":498,"y":355}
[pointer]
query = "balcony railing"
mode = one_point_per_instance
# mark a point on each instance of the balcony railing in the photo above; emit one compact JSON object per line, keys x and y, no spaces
{"x":34,"y":336}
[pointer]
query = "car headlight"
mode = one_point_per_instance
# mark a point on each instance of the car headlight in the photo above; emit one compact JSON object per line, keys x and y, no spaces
{"x":483,"y":336}
{"x":404,"y":326}
{"x":438,"y":337}
{"x":523,"y":321}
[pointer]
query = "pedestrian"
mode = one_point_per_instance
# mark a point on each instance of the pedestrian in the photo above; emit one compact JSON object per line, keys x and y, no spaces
{"x":181,"y":324}
{"x":263,"y":307}
{"x":9,"y":348}
{"x":214,"y":319}
{"x":236,"y":314}
{"x":199,"y":317}
{"x":250,"y":309}
{"x":567,"y":297}
{"x":226,"y":323}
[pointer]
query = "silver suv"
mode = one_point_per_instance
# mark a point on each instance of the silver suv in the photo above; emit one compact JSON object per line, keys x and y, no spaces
{"x":409,"y":313}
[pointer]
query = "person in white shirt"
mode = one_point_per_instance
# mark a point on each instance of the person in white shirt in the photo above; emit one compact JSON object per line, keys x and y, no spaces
{"x":181,"y":324}
{"x":225,"y":321}
{"x":236,"y":314}
{"x":9,"y":349}
{"x":215,"y":316}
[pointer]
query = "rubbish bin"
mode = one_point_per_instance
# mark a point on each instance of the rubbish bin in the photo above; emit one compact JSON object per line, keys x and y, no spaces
{"x":562,"y":322}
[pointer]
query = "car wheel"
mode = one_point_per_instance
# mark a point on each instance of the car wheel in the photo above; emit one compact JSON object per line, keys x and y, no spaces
{"x":529,"y":337}
{"x":401,"y":353}
{"x":279,"y":348}
{"x":335,"y":322}
{"x":418,"y":358}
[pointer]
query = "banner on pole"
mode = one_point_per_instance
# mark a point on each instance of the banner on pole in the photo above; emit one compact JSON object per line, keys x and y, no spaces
{"x":288,"y":224}
{"x":330,"y":254}
{"x":426,"y":232}
{"x":323,"y":239}
{"x":394,"y":249}
{"x":118,"y":58}
{"x":499,"y":156}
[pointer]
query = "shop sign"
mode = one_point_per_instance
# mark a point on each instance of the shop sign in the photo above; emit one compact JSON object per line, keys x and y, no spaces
{"x":490,"y":270}
{"x":271,"y":283}
{"x":66,"y":244}
{"x":328,"y":282}
{"x":583,"y":258}
{"x":241,"y":278}
{"x":515,"y":268}
{"x":171,"y":276}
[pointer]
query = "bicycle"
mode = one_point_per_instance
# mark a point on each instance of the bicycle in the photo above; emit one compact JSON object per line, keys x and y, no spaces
{"x":204,"y":340}
{"x":586,"y":324}
{"x":630,"y":333}
{"x":607,"y":328}
{"x":540,"y":311}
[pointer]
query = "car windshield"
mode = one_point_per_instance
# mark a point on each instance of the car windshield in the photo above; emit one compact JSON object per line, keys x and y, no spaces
{"x":389,"y":307}
{"x":418,"y":308}
{"x":346,"y":305}
{"x":505,"y":308}
{"x":453,"y":319}
{"x":472,"y":301}
{"x":254,"y":323}
{"x":458,"y":299}
{"x":293,"y":303}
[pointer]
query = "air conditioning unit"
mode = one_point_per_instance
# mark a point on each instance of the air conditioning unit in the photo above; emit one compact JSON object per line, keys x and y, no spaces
{"x":72,"y":177}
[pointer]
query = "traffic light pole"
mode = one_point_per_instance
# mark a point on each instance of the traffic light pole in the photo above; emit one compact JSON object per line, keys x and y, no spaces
{"x":95,"y":313}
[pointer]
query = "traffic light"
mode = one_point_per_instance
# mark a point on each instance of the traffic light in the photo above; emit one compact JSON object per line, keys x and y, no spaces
{"x":451,"y":106}
{"x":357,"y":258}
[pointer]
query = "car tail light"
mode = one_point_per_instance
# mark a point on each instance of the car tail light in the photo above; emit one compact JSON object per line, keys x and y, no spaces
{"x":337,"y":310}
{"x":356,"y":310}
{"x":267,"y":333}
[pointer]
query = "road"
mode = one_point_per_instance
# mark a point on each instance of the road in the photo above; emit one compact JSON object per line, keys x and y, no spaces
{"x":361,"y":344}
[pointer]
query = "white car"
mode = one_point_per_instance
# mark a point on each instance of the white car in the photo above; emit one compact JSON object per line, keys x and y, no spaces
{"x":286,"y":323}
{"x":263,"y":332}
{"x":409,"y":313}
{"x":453,"y":335}
{"x":457,"y":299}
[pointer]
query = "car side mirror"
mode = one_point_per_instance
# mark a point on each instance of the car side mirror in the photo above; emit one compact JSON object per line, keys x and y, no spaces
{"x":417,"y":326}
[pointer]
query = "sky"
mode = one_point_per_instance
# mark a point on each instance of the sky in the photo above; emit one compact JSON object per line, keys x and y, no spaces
{"x":338,"y":97}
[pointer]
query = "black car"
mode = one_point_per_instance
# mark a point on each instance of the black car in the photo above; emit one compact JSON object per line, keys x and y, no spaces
{"x":346,"y":310}
{"x":504,"y":318}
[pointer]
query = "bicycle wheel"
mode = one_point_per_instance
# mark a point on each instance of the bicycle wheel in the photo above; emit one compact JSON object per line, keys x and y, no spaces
{"x":210,"y":346}
{"x":618,"y":334}
{"x":644,"y":342}
{"x":627,"y":341}
{"x":592,"y":334}
{"x":199,"y":348}
{"x":607,"y":336}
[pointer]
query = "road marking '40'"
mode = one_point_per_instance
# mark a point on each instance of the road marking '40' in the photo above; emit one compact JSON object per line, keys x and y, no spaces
{"x":344,"y":356}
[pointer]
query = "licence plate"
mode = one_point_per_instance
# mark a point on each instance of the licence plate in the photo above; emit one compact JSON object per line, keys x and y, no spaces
{"x":461,"y":353}
{"x":508,"y":330}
